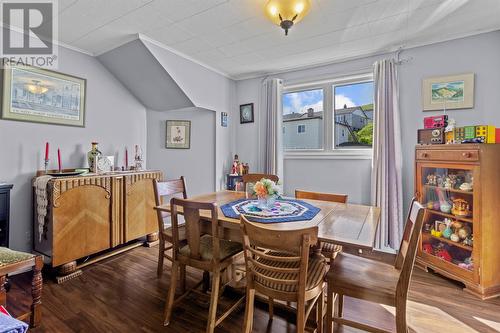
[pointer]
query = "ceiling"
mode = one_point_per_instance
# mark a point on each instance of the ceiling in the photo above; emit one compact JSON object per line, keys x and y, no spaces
{"x":235,"y":38}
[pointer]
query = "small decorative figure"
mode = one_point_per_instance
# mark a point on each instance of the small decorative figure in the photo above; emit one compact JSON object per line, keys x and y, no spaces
{"x":92,"y":156}
{"x":138,"y":158}
{"x":465,"y":187}
{"x":445,"y":207}
{"x":464,"y":232}
{"x":460,"y":208}
{"x":454,"y":238}
{"x":427,"y":248}
{"x":447,"y":183}
{"x":443,"y":254}
{"x":451,"y":125}
{"x":469,"y":241}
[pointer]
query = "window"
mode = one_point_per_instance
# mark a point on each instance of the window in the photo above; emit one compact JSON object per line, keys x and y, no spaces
{"x":338,"y":115}
{"x":353,"y":114}
{"x":306,"y":107}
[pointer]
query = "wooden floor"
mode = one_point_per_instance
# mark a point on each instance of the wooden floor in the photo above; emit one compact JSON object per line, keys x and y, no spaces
{"x":122,"y":294}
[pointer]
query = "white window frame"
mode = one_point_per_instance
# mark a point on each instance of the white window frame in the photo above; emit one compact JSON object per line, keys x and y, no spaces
{"x":298,"y":128}
{"x":329,"y":151}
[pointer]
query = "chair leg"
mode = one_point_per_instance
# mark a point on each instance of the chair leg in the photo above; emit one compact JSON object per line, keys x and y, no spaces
{"x":247,"y":324}
{"x":401,"y":325}
{"x":301,"y":315}
{"x":319,"y":313}
{"x":271,"y":308}
{"x":214,"y":298}
{"x":183,"y":278}
{"x":3,"y":292}
{"x":171,"y":294}
{"x":36,"y":293}
{"x":206,"y":281}
{"x":339,"y":306}
{"x":329,"y":310}
{"x":161,"y":256}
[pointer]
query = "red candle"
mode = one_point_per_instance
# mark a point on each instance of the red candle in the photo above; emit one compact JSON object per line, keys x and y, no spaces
{"x":46,"y":151}
{"x":59,"y":159}
{"x":126,"y":158}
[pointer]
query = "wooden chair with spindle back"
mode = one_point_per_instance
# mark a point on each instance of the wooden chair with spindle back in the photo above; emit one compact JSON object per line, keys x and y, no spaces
{"x":329,"y":250}
{"x":255,"y":177}
{"x":375,"y":281}
{"x":162,"y":190}
{"x":279,"y":267}
{"x":209,"y":253}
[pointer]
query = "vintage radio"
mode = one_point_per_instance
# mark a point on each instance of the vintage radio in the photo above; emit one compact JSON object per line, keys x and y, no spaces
{"x":430,"y":136}
{"x":486,"y":133}
{"x":435,"y":121}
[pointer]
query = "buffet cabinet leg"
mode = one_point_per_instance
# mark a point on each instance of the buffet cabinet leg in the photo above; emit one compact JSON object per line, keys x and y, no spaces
{"x":152,"y":240}
{"x":67,"y":272}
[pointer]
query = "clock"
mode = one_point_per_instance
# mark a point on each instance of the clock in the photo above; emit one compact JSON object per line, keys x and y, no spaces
{"x":104,"y":164}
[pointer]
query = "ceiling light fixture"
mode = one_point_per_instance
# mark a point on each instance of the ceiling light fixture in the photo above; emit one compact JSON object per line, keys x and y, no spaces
{"x":286,"y":13}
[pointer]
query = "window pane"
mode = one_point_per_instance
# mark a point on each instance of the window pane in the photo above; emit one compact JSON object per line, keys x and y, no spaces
{"x":303,"y":119}
{"x":353,"y":115}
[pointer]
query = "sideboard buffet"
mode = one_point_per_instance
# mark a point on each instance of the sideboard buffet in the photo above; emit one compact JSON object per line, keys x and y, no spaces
{"x":95,"y":214}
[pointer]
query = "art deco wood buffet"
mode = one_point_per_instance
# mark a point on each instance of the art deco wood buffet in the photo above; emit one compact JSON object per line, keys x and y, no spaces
{"x":89,"y":214}
{"x":460,"y":186}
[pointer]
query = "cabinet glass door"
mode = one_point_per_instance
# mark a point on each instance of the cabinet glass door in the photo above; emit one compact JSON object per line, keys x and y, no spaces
{"x":448,"y":231}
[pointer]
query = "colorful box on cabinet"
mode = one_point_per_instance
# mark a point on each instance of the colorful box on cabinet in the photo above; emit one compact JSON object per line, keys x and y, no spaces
{"x":469,"y":132}
{"x":450,"y":137}
{"x":497,"y":135}
{"x":459,"y":134}
{"x":486,"y":133}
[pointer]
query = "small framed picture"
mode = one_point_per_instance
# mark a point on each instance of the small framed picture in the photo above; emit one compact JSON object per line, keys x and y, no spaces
{"x":246,"y":113}
{"x":178,"y":134}
{"x":223,"y":119}
{"x":448,"y":92}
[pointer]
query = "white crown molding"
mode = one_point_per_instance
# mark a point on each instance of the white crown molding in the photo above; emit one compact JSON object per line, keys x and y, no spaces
{"x":182,"y":55}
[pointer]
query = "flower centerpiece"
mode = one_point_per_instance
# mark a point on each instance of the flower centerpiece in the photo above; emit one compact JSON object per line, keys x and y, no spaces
{"x":267,"y":192}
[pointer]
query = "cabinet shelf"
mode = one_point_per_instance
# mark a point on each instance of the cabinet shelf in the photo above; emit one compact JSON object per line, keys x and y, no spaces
{"x":452,"y":190}
{"x":451,"y":216}
{"x":447,"y":241}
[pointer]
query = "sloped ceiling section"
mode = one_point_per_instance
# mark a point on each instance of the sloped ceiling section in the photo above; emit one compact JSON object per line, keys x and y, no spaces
{"x":140,"y":72}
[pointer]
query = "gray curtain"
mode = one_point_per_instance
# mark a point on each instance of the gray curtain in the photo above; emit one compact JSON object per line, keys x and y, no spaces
{"x":387,"y":160}
{"x":272,"y":105}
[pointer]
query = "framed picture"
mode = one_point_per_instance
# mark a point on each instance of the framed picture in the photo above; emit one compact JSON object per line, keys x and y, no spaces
{"x":178,"y":134}
{"x":448,"y":92}
{"x":223,"y":119}
{"x":39,"y":95}
{"x":246,"y":113}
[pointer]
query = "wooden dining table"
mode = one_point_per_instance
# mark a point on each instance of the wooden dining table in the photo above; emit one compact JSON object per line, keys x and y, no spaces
{"x":343,"y":224}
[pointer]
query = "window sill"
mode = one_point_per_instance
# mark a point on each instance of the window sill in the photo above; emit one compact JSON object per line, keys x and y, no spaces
{"x":347,"y":154}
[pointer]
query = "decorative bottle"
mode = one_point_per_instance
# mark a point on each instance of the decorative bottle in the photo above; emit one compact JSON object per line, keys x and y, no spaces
{"x":92,"y":156}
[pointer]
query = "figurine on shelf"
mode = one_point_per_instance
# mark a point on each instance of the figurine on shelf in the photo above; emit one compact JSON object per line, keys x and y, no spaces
{"x":465,"y":187}
{"x":432,"y":180}
{"x":447,"y":184}
{"x":454,"y":238}
{"x":464,"y":232}
{"x":427,"y":248}
{"x":469,"y":241}
{"x":460,"y":208}
{"x":138,"y":158}
{"x":92,"y":156}
{"x":443,"y":254}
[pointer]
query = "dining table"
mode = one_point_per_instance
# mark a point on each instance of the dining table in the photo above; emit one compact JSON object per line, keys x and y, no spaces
{"x":350,"y":225}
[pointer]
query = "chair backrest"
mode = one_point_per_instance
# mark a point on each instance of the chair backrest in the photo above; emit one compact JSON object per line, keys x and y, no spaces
{"x":284,"y":255}
{"x":191,"y":212}
{"x":341,"y":198}
{"x":408,"y":248}
{"x":255,"y":177}
{"x":167,"y":189}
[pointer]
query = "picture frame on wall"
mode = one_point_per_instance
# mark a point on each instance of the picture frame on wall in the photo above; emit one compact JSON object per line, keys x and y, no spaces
{"x":246,"y":113}
{"x":39,"y":95}
{"x":223,"y":119}
{"x":448,"y":92}
{"x":178,"y":134}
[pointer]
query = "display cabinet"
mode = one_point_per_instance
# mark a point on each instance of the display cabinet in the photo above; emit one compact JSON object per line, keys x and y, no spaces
{"x":460,"y":186}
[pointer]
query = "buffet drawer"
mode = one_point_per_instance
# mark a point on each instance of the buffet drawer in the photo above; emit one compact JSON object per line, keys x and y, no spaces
{"x":448,"y":155}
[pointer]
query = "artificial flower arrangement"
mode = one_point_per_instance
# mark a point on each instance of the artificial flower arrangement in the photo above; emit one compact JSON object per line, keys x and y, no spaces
{"x":266,"y":191}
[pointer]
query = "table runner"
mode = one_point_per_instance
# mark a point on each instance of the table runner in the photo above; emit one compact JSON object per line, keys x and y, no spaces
{"x":282,"y":211}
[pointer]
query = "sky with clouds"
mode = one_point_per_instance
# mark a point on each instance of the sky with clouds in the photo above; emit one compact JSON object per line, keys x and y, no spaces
{"x":350,"y":95}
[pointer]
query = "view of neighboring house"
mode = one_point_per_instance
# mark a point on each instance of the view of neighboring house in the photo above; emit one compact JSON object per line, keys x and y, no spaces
{"x":305,"y":130}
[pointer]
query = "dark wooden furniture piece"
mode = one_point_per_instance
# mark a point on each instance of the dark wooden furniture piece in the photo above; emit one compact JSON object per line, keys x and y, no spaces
{"x":342,"y":224}
{"x":255,"y":177}
{"x":474,"y":262}
{"x":4,"y":214}
{"x":13,"y":261}
{"x":232,"y":180}
{"x":164,"y":190}
{"x":329,"y":250}
{"x":91,"y":214}
{"x":206,"y":252}
{"x":278,"y":266}
{"x":375,"y":281}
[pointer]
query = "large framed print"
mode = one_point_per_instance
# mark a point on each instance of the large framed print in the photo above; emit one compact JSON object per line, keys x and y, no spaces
{"x":448,"y":92}
{"x":178,"y":134}
{"x":38,"y":95}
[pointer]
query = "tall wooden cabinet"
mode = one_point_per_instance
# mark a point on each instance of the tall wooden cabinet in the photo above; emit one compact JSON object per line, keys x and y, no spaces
{"x":460,"y":186}
{"x":90,"y":214}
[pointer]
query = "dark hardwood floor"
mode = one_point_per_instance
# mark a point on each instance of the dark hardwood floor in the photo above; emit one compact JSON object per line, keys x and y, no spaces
{"x":122,"y":294}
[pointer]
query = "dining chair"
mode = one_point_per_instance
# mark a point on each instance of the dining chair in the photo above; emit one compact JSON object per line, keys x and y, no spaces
{"x":278,"y":266}
{"x":164,"y":190}
{"x":255,"y":177}
{"x":375,"y":281}
{"x":209,"y":253}
{"x":328,"y":249}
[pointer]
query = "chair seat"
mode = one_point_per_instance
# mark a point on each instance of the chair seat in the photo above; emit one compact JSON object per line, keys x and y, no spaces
{"x":227,"y":248}
{"x":316,"y":270}
{"x":8,"y":256}
{"x":167,"y":229}
{"x":363,"y":278}
{"x":330,"y":248}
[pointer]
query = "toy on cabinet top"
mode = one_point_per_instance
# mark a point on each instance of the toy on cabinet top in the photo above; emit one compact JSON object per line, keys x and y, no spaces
{"x":238,"y":168}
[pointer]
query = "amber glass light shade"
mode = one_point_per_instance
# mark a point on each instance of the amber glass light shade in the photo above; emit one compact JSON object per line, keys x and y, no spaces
{"x":279,"y":11}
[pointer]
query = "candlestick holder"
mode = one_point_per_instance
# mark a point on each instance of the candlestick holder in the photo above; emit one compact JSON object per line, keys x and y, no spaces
{"x":46,"y":163}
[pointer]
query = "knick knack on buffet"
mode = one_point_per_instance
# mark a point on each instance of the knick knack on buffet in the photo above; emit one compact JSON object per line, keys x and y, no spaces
{"x":92,"y":156}
{"x":138,"y":158}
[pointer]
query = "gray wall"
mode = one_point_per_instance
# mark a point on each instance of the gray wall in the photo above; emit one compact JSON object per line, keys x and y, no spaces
{"x":479,"y":54}
{"x":196,"y":164}
{"x":113,"y":118}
